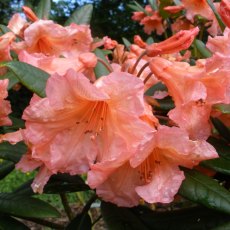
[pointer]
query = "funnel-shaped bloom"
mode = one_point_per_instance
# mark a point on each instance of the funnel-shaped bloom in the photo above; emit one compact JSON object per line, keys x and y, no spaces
{"x":180,"y":41}
{"x":79,"y":123}
{"x":224,"y":11}
{"x":153,"y":173}
{"x":30,"y":14}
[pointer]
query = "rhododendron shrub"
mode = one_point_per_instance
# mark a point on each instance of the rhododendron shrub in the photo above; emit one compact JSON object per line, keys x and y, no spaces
{"x":142,"y":126}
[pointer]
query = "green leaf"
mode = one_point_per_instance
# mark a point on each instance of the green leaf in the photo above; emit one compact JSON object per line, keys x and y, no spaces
{"x":203,"y":50}
{"x":177,"y":2}
{"x":126,"y":42}
{"x":100,"y":70}
{"x":80,"y":222}
{"x":206,"y":191}
{"x":149,"y":40}
{"x":23,"y":206}
{"x":220,"y":165}
{"x":43,"y":9}
{"x":6,"y":167}
{"x":134,"y":7}
{"x":9,"y":223}
{"x":57,"y":184}
{"x":81,"y":15}
{"x":220,"y":22}
{"x":225,"y":226}
{"x":12,"y":152}
{"x":224,"y":108}
{"x":12,"y":79}
{"x":164,"y":3}
{"x":157,"y":87}
{"x":33,"y":78}
{"x":4,"y":29}
{"x":141,"y":8}
{"x":141,"y":217}
{"x":221,"y":146}
{"x":153,"y":4}
{"x":223,"y":130}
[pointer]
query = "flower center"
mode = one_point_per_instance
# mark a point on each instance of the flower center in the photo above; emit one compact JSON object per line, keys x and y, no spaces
{"x":146,"y":168}
{"x":94,"y":118}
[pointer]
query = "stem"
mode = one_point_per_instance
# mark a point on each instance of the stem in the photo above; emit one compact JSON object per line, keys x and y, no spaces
{"x":66,"y":206}
{"x":142,"y":69}
{"x":88,"y":204}
{"x":137,"y":61}
{"x":108,"y":67}
{"x":98,"y":218}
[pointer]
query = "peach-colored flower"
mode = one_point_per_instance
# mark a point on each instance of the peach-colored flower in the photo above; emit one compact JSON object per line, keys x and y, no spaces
{"x":194,"y":91}
{"x":49,"y":38}
{"x":79,"y":123}
{"x":85,"y":62}
{"x":17,"y":24}
{"x":152,"y":173}
{"x":138,"y":41}
{"x":181,"y":24}
{"x":29,"y":14}
{"x":180,"y":41}
{"x":5,"y":108}
{"x":224,"y":11}
{"x":109,"y":43}
{"x":153,"y":23}
{"x":174,"y":9}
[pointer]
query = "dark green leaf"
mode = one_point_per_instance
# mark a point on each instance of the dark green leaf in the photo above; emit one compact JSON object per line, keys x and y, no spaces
{"x":9,"y":223}
{"x":153,"y":4}
{"x":141,"y":217}
{"x":43,"y":9}
{"x":165,"y":104}
{"x":177,"y":2}
{"x":134,"y":7}
{"x":6,"y":167}
{"x":225,"y":226}
{"x":12,"y":79}
{"x":164,"y":3}
{"x":24,"y":206}
{"x":126,"y":42}
{"x":220,"y":22}
{"x":100,"y":70}
{"x":223,"y":130}
{"x":82,"y":15}
{"x":120,"y":218}
{"x":149,"y":40}
{"x":30,"y":76}
{"x":224,"y":108}
{"x":203,"y":50}
{"x":221,"y":146}
{"x":4,"y":29}
{"x":140,"y":8}
{"x":57,"y":184}
{"x":157,"y":87}
{"x":220,"y":165}
{"x":206,"y":191}
{"x":80,"y":222}
{"x":12,"y":152}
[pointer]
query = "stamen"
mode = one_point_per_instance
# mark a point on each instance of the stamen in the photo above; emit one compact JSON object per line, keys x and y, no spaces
{"x":107,"y":66}
{"x":137,"y":61}
{"x":148,"y":77}
{"x":142,"y":69}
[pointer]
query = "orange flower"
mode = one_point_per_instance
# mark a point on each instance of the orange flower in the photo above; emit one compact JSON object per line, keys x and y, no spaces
{"x":225,"y":12}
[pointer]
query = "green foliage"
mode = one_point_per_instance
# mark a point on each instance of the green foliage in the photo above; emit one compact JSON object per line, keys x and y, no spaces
{"x":82,"y":15}
{"x":43,"y":9}
{"x":27,"y":74}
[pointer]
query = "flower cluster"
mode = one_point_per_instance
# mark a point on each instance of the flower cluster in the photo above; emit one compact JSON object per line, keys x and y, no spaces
{"x":107,"y":126}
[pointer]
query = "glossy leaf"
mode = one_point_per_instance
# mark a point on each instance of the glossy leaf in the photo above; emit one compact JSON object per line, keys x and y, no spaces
{"x":9,"y":223}
{"x":220,"y":165}
{"x":126,"y":42}
{"x":203,"y":50}
{"x":141,"y":217}
{"x":224,"y":108}
{"x":81,"y":15}
{"x":30,"y":76}
{"x":4,"y":29}
{"x":220,"y":22}
{"x":153,"y":4}
{"x":206,"y":191}
{"x":12,"y":79}
{"x":223,"y":130}
{"x":221,"y":146}
{"x":100,"y":70}
{"x":80,"y":222}
{"x":57,"y":184}
{"x":12,"y":152}
{"x":24,"y":206}
{"x":43,"y":9}
{"x":6,"y":167}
